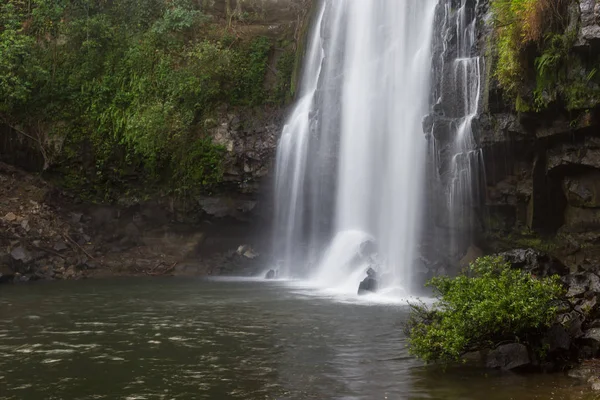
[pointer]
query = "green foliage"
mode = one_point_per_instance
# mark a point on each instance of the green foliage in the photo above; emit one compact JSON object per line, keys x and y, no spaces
{"x":526,"y":27}
{"x":285,"y":70}
{"x":550,"y":68}
{"x":249,"y":70}
{"x":18,"y":69}
{"x":487,"y":304}
{"x":509,"y":17}
{"x":126,"y":87}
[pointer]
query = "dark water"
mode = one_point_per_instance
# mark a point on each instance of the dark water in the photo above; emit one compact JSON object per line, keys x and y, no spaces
{"x":176,"y":339}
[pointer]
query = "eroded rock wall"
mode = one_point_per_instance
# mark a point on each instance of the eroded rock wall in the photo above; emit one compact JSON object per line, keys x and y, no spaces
{"x":541,"y":169}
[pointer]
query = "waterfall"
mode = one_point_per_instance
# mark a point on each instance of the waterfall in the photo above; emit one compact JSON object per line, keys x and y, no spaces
{"x":466,"y":162}
{"x":460,"y":159}
{"x":351,"y":158}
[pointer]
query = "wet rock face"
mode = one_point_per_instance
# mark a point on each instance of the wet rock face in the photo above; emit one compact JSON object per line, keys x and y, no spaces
{"x":541,"y":169}
{"x":508,"y":356}
{"x":535,"y":262}
{"x":589,"y":30}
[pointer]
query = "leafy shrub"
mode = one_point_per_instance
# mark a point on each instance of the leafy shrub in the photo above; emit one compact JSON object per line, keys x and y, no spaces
{"x":487,"y":304}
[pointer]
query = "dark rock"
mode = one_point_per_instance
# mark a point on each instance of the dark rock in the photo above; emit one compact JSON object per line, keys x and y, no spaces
{"x":593,"y":334}
{"x":76,"y":217}
{"x":20,"y":278}
{"x":6,"y":273}
{"x":271,"y":274}
{"x":368,"y":285}
{"x":90,"y":265}
{"x":558,"y":338}
{"x":580,"y":283}
{"x":60,"y":246}
{"x":21,"y":254}
{"x":535,"y":262}
{"x":589,"y":31}
{"x":572,"y":322}
{"x":582,"y":372}
{"x":508,"y":356}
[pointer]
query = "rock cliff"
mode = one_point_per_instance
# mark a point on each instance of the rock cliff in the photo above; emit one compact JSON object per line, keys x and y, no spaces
{"x":536,"y":180}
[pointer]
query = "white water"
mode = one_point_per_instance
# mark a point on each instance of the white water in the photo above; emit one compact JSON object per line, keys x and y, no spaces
{"x":351,"y":158}
{"x":467,"y":161}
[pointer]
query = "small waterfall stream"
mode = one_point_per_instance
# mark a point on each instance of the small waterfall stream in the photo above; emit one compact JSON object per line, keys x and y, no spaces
{"x":458,"y":158}
{"x":351,"y":158}
{"x":467,"y":160}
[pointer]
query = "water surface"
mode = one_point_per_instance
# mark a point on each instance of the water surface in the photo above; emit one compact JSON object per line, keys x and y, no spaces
{"x":198,"y":339}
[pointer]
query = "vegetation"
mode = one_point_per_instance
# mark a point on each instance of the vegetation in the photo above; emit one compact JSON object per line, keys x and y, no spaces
{"x":109,"y":91}
{"x":534,"y":42}
{"x":488,"y":304}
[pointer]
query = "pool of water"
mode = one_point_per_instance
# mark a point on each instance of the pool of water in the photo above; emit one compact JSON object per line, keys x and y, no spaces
{"x":227,"y":339}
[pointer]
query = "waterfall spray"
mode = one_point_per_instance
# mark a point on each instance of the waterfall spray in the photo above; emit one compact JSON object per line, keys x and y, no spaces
{"x":351,"y":158}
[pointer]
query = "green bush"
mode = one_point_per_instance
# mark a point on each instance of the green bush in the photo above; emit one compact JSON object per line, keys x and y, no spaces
{"x":126,"y":87}
{"x":489,"y":303}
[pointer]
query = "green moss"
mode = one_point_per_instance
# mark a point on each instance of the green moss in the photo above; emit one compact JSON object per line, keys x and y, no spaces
{"x":538,"y":27}
{"x":522,"y":105}
{"x":285,"y":68}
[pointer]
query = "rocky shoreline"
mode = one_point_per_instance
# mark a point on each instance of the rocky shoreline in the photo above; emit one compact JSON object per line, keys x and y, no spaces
{"x":46,"y":234}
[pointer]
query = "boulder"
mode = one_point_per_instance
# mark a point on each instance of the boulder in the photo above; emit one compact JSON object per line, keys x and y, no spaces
{"x":535,"y":262}
{"x":557,"y":338}
{"x":368,"y":285}
{"x":20,"y":253}
{"x":580,"y":283}
{"x":6,"y":273}
{"x":10,"y":217}
{"x":60,"y":246}
{"x":271,"y":274}
{"x":589,"y":30}
{"x":508,"y":356}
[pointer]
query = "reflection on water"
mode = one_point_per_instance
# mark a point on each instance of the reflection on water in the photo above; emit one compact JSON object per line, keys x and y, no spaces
{"x":176,"y":339}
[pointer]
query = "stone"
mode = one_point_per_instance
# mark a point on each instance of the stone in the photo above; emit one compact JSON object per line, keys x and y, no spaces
{"x":271,"y":274}
{"x":572,"y":322}
{"x":10,"y":217}
{"x":589,"y":30}
{"x":6,"y":273}
{"x":583,"y":283}
{"x":593,"y":334}
{"x":70,"y":273}
{"x":582,"y":372}
{"x":368,"y":285}
{"x":587,"y":306}
{"x":251,"y":254}
{"x":535,"y":262}
{"x":76,"y":217}
{"x":20,"y":254}
{"x":558,"y":338}
{"x":60,"y":246}
{"x":508,"y":356}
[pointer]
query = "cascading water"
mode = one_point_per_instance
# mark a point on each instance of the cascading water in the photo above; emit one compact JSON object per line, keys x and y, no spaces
{"x":467,"y":161}
{"x":351,"y":157}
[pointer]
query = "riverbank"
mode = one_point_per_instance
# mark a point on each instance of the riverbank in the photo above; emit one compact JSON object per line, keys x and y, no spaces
{"x":46,"y":233}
